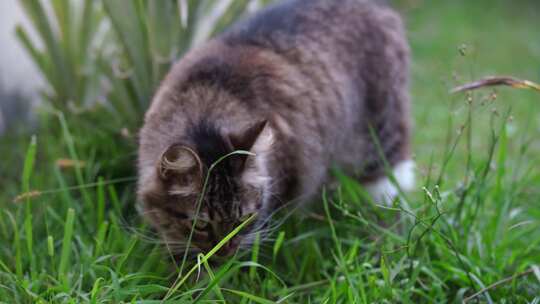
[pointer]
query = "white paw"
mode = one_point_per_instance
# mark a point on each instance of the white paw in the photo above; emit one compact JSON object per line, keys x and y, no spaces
{"x":384,"y":191}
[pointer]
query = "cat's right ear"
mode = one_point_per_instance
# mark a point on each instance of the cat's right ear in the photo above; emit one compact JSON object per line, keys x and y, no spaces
{"x":180,"y":168}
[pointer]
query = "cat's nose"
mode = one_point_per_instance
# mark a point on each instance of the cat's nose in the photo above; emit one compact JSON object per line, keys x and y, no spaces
{"x":229,"y":248}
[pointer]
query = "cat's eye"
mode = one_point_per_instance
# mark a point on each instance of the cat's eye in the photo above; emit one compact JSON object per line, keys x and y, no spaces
{"x":199,"y":224}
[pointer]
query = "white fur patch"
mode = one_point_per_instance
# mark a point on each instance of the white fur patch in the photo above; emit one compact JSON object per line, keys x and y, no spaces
{"x":256,"y":173}
{"x":384,"y":191}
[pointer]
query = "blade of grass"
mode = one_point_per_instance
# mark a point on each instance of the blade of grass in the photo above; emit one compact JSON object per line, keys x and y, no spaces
{"x":95,"y":290}
{"x":100,"y":237}
{"x":228,"y":270}
{"x":251,"y":297}
{"x":217,"y":290}
{"x":28,"y":168}
{"x":86,"y":27}
{"x":66,"y":247}
{"x":340,"y":251}
{"x":50,"y":246}
{"x":70,"y":143}
{"x":62,"y":11}
{"x":230,"y":16}
{"x":61,"y":73}
{"x":254,"y":256}
{"x":100,"y":202}
{"x":224,"y":271}
{"x":277,"y":244}
{"x":29,"y":162}
{"x":207,"y":256}
{"x":17,"y":245}
{"x":114,"y":200}
{"x":39,"y":59}
{"x":129,"y":27}
{"x":208,"y":19}
{"x":163,"y":32}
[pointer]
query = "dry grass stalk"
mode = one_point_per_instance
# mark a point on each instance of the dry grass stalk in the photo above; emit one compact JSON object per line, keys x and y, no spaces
{"x":497,"y":81}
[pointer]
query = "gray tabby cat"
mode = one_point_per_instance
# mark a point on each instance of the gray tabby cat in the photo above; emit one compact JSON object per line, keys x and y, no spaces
{"x":303,"y":85}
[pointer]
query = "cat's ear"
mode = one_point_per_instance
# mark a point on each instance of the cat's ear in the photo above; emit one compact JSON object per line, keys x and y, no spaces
{"x":181,"y":169}
{"x":246,"y":139}
{"x":256,"y":139}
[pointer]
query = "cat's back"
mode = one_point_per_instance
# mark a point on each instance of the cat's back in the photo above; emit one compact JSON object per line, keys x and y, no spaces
{"x":285,"y":19}
{"x":290,"y":24}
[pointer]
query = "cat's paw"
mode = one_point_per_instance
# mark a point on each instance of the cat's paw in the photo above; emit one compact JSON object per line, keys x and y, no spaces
{"x":384,"y":191}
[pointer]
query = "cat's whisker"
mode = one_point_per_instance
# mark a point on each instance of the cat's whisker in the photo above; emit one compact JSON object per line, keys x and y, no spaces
{"x":271,"y":215}
{"x":278,"y":223}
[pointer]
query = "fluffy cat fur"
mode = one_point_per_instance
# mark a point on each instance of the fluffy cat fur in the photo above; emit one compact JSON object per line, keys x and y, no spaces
{"x":304,"y":86}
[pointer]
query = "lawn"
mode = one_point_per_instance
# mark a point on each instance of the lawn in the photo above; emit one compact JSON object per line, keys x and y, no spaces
{"x":470,"y":231}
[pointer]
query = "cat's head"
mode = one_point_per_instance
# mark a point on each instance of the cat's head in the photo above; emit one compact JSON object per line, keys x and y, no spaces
{"x":237,"y":187}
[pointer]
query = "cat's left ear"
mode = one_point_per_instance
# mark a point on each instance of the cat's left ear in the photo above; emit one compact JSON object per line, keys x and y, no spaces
{"x":256,"y":139}
{"x":246,"y":139}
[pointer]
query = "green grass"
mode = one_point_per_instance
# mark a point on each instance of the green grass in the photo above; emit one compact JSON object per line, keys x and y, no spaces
{"x":473,"y":221}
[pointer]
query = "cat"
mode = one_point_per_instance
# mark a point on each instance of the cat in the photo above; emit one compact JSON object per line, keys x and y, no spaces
{"x":304,"y":86}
